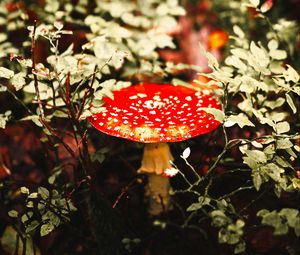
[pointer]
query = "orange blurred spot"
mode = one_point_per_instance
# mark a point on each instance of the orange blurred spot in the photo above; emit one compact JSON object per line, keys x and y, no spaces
{"x":217,"y":39}
{"x":5,"y":163}
{"x":204,"y":169}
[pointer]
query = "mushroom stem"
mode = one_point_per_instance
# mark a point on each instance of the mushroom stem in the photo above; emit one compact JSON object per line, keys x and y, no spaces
{"x":156,"y":160}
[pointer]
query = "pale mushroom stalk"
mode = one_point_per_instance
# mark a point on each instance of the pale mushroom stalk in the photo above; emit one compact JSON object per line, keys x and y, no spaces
{"x":156,"y":163}
{"x":156,"y":114}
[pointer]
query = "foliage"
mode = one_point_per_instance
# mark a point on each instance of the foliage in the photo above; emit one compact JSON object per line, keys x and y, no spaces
{"x":259,"y":91}
{"x":69,"y":56}
{"x":53,"y":210}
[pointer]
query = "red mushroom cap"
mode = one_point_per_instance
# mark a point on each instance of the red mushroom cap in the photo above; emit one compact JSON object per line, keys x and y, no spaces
{"x":153,"y":113}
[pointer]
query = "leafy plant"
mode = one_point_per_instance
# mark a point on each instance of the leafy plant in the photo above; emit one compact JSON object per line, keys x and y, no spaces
{"x":69,"y":56}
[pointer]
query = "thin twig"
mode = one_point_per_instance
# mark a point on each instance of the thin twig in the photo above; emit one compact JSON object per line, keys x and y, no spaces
{"x":87,"y":93}
{"x":123,"y":192}
{"x":236,"y":191}
{"x":36,"y":85}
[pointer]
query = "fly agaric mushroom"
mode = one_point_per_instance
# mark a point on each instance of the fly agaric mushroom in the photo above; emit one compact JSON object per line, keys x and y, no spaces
{"x":156,"y":114}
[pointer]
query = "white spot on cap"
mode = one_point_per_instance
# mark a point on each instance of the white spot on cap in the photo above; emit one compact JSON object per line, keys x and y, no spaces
{"x":132,"y":107}
{"x":188,"y":98}
{"x":152,"y":112}
{"x":141,"y":95}
{"x":184,"y":105}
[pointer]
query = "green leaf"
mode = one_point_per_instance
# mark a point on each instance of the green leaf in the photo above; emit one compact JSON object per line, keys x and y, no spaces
{"x":262,"y":213}
{"x":6,"y":73}
{"x":282,"y":127}
{"x":24,"y":218}
{"x":278,"y":54}
{"x":34,"y":118}
{"x":186,"y":153}
{"x":236,"y":62}
{"x":212,"y":61}
{"x":219,"y":218}
{"x":24,"y":190}
{"x":98,"y":156}
{"x":257,"y":155}
{"x":278,"y":116}
{"x":284,"y":143}
{"x":240,"y":119}
{"x":291,"y":152}
{"x":273,"y":44}
{"x":274,"y":171}
{"x":13,"y":214}
{"x":162,"y":40}
{"x":50,"y":217}
{"x":33,"y":195}
{"x":292,"y":216}
{"x":282,"y":162}
{"x":18,"y":80}
{"x":291,"y":103}
{"x":32,"y":227}
{"x":194,"y":207}
{"x":275,"y":104}
{"x":259,"y":54}
{"x":201,"y":202}
{"x":46,"y":229}
{"x":240,"y":247}
{"x":238,"y":31}
{"x":43,"y":192}
{"x":219,"y":115}
{"x":240,"y":53}
{"x":296,"y":90}
{"x":257,"y":180}
{"x":291,"y":74}
{"x":4,"y":117}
